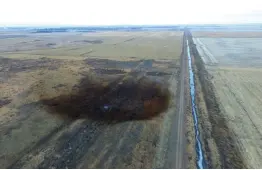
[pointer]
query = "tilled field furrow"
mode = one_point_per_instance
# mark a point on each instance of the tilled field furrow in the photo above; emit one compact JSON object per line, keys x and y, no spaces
{"x":120,"y":158}
{"x":71,"y":149}
{"x":242,"y":123}
{"x":237,"y":86}
{"x":31,"y":150}
{"x":109,"y":159}
{"x":254,"y":101}
{"x":244,"y":104}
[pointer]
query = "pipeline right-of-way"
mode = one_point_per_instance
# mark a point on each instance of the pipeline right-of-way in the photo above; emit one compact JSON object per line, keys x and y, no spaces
{"x":198,"y":146}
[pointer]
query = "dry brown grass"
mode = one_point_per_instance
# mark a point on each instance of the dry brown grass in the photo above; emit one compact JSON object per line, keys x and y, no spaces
{"x":189,"y":133}
{"x":40,"y":81}
{"x":210,"y":148}
{"x":117,"y":45}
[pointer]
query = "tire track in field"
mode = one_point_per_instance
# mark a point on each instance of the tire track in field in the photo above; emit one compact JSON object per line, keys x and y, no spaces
{"x":241,"y":104}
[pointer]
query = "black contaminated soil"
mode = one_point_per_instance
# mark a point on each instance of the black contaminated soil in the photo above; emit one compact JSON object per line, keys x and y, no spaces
{"x":108,"y":71}
{"x":106,"y":63}
{"x":121,"y":100}
{"x":4,"y":101}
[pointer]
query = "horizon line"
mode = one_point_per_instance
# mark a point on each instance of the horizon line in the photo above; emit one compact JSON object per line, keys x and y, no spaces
{"x":122,"y":25}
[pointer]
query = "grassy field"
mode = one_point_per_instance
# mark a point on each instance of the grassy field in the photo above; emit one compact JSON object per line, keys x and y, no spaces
{"x":47,"y":77}
{"x":231,"y":92}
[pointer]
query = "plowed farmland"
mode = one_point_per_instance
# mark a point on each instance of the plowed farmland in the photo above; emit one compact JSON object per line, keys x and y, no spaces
{"x":229,"y":71}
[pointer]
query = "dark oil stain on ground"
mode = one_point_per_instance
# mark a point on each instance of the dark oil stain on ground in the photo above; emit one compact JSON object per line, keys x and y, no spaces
{"x":51,"y":44}
{"x":107,"y":71}
{"x":156,"y":73}
{"x":16,"y":65}
{"x":4,"y":101}
{"x":59,"y":86}
{"x":106,"y":63}
{"x":91,"y":41}
{"x":131,"y":39}
{"x":121,"y":100}
{"x":116,"y":64}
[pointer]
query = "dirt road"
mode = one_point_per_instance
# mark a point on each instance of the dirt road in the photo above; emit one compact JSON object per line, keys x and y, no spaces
{"x":176,"y":154}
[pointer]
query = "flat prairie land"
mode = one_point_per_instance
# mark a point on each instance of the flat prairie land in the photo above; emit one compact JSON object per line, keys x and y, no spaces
{"x":231,"y":52}
{"x":240,"y":94}
{"x":227,"y":34}
{"x":66,"y":98}
{"x":229,"y":72}
{"x":162,"y":45}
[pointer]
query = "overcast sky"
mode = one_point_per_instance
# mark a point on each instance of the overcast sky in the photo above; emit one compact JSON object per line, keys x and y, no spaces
{"x":122,"y":12}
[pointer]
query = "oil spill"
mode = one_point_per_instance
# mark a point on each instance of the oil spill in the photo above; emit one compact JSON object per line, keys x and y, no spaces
{"x":59,"y":86}
{"x":108,"y":71}
{"x":156,"y":73}
{"x":4,"y":101}
{"x":121,"y":100}
{"x":106,"y":63}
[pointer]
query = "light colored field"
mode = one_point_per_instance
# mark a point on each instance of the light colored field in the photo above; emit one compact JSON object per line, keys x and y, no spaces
{"x":234,"y":52}
{"x":240,"y":95}
{"x":236,"y":78}
{"x":227,"y":34}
